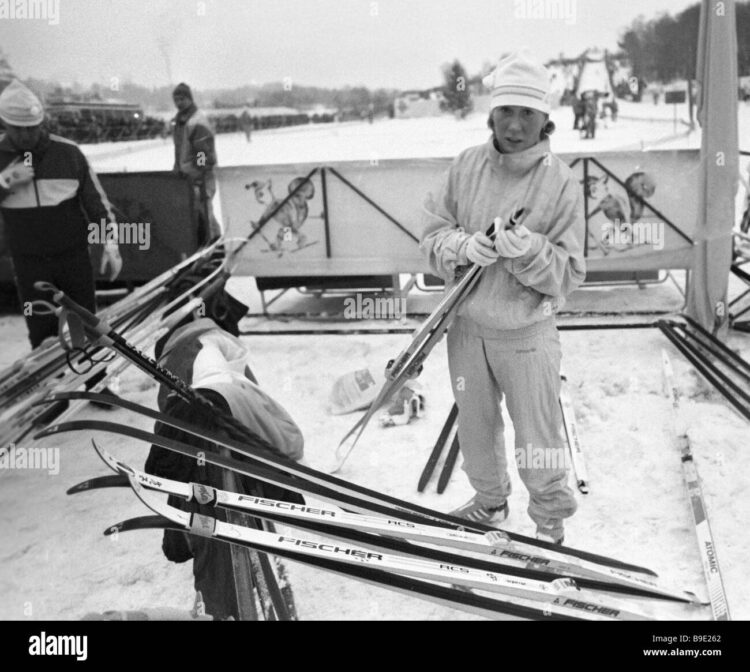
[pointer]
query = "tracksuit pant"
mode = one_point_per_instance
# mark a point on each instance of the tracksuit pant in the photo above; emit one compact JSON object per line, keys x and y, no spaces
{"x":70,"y":272}
{"x":523,"y":366}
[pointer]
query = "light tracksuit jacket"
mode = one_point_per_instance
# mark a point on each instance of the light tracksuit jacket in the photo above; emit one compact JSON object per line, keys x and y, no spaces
{"x":504,"y":341}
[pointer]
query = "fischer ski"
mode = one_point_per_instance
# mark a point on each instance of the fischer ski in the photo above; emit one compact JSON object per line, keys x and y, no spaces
{"x":442,"y":595}
{"x":303,"y":479}
{"x":440,"y":444}
{"x":706,"y":544}
{"x":559,"y":598}
{"x":340,"y":524}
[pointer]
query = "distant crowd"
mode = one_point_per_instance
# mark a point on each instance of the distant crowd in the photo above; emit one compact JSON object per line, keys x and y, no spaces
{"x":230,"y":122}
{"x":92,"y":129}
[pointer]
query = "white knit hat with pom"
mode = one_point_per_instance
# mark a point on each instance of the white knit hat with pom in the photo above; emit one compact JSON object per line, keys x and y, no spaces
{"x":519,"y":80}
{"x":19,"y":106}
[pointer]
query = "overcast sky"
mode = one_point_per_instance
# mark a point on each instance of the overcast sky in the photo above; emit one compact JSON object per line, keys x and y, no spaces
{"x":226,"y":43}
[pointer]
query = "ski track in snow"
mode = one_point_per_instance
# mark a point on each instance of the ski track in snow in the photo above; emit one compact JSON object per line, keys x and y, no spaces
{"x":57,"y":565}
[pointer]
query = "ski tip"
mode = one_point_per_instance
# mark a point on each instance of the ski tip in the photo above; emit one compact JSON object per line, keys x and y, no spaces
{"x":47,"y":431}
{"x":583,"y":487}
{"x":155,"y":522}
{"x":692,"y":598}
{"x":114,"y":530}
{"x":342,"y":455}
{"x":108,"y":481}
{"x":50,"y":398}
{"x":80,"y":487}
{"x":441,"y":487}
{"x":105,"y":457}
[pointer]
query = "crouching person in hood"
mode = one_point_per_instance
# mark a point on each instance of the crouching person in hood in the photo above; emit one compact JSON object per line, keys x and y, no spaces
{"x":213,"y":361}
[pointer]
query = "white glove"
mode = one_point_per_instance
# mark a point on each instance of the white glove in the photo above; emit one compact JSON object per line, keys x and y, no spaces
{"x":480,"y":251}
{"x":14,"y":175}
{"x":513,"y":242}
{"x":111,"y":258}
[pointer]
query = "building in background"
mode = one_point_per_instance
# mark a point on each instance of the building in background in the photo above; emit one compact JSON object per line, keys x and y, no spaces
{"x":415,"y":104}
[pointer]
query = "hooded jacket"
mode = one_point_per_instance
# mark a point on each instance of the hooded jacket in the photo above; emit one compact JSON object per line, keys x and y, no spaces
{"x":482,"y":184}
{"x":207,"y":357}
{"x":50,"y":215}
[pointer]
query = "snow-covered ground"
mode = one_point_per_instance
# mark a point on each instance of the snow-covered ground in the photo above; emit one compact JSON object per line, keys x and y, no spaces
{"x":640,"y":126}
{"x":55,"y":563}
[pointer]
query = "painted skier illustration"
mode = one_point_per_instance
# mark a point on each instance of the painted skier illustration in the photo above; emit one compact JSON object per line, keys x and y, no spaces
{"x":287,"y":217}
{"x":621,"y":208}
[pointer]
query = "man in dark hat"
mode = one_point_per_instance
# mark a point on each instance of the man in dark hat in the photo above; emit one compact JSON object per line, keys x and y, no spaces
{"x":195,"y":157}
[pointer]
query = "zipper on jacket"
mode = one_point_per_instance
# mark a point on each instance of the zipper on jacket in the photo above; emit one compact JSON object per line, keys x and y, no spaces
{"x":36,"y":160}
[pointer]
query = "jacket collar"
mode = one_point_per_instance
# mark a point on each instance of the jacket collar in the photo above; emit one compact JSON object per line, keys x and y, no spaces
{"x":7,"y":146}
{"x":182,"y":117}
{"x":520,"y":162}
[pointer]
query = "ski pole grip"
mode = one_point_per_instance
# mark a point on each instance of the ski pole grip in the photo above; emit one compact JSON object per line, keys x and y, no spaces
{"x":514,"y":219}
{"x":87,"y":317}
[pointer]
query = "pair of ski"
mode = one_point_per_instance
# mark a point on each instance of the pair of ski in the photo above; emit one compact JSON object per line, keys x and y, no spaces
{"x":19,"y":417}
{"x":706,"y":544}
{"x":39,"y":368}
{"x":504,"y":552}
{"x":30,"y":379}
{"x":283,"y":471}
{"x":448,"y":437}
{"x":562,"y":596}
{"x":409,"y":362}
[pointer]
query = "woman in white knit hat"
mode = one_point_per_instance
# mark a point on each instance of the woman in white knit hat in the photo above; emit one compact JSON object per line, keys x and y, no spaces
{"x":504,"y":342}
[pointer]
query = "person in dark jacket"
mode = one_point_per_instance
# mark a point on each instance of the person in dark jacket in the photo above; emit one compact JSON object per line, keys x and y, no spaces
{"x":246,"y":123}
{"x":579,"y":111}
{"x":591,"y":106}
{"x":49,"y":198}
{"x":195,"y":157}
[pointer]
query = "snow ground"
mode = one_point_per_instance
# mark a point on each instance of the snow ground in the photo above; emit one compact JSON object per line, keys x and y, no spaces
{"x":55,"y":564}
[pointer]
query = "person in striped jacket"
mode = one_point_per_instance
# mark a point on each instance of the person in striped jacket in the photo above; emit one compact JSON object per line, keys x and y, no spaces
{"x":49,"y":198}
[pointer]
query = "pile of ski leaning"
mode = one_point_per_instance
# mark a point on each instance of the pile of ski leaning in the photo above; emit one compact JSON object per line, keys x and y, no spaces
{"x":339,"y":526}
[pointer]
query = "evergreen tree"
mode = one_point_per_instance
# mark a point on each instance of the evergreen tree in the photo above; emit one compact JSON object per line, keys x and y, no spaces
{"x":456,"y":89}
